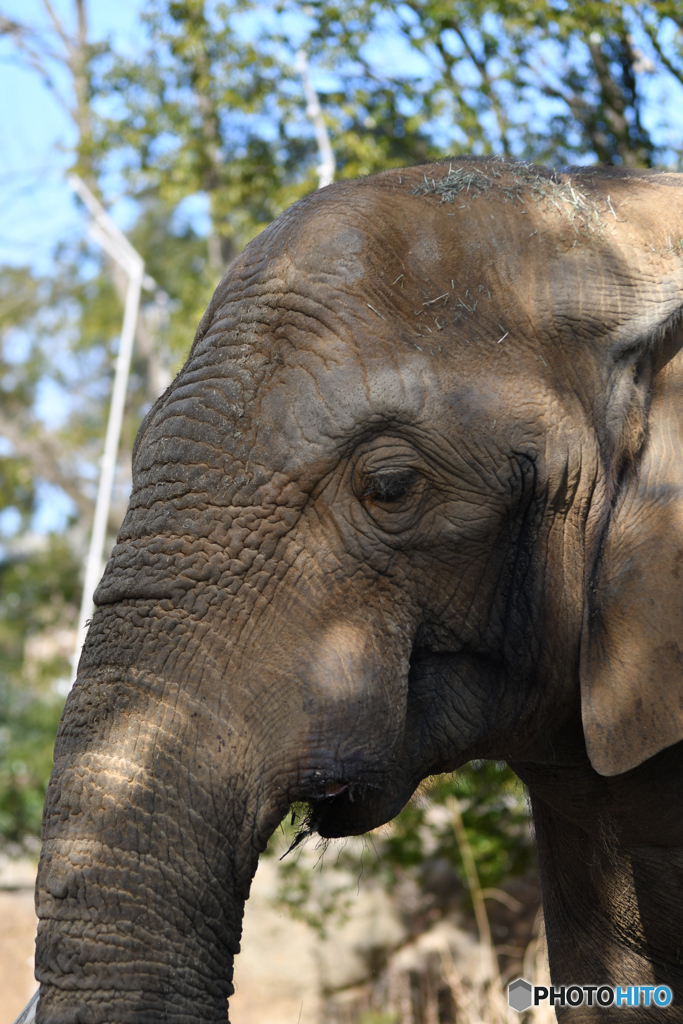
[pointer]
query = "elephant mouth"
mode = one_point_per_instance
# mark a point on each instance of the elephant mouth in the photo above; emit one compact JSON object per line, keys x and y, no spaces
{"x":351,"y":808}
{"x":347,"y":789}
{"x":335,"y":789}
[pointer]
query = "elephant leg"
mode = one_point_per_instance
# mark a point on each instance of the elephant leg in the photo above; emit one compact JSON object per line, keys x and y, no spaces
{"x":614,"y":913}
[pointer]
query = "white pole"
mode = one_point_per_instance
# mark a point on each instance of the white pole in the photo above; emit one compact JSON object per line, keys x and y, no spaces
{"x":314,"y":112}
{"x":94,"y":566}
{"x":123,"y":252}
{"x":119,"y":248}
{"x":28,"y":1014}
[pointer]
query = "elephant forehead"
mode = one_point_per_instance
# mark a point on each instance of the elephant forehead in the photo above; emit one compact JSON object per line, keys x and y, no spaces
{"x":337,"y":248}
{"x":315,"y":409}
{"x":223,"y":435}
{"x":335,"y":321}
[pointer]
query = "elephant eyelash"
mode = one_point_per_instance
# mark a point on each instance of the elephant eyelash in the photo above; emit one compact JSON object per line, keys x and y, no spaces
{"x":388,"y":488}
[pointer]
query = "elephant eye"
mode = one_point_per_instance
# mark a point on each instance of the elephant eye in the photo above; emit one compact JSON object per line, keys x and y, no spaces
{"x":389,"y":488}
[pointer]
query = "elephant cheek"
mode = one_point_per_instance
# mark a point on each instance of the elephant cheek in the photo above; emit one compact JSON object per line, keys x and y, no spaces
{"x":355,"y":702}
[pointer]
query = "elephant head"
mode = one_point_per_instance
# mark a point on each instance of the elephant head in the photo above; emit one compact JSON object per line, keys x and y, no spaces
{"x":415,"y":497}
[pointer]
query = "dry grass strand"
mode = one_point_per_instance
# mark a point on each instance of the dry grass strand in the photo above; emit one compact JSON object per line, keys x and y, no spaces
{"x":519,"y":182}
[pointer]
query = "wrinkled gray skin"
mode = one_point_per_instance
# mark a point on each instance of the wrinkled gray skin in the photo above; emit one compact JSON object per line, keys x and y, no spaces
{"x":416,"y":497}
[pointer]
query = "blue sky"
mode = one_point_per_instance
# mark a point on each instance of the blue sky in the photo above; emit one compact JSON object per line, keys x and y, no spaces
{"x":36,"y":206}
{"x":36,"y":209}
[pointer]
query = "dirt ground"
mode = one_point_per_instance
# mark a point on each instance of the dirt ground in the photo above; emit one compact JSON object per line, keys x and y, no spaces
{"x":278,"y":975}
{"x":17,"y":935}
{"x":275,"y":978}
{"x":287,"y":974}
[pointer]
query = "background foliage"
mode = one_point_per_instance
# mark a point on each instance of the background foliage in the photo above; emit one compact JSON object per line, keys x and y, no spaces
{"x":201,"y":132}
{"x":420,"y":845}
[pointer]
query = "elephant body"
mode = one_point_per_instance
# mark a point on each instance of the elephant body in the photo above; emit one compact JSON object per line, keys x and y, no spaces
{"x":416,"y":497}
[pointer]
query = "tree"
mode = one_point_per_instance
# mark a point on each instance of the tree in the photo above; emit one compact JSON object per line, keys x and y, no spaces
{"x":212,"y":106}
{"x":546,"y":80}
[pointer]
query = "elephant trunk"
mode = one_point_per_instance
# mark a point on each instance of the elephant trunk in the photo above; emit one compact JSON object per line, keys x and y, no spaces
{"x":152,"y":831}
{"x":168,"y":781}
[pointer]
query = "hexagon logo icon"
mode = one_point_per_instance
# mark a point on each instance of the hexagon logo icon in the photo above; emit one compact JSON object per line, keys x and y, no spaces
{"x":519,"y":995}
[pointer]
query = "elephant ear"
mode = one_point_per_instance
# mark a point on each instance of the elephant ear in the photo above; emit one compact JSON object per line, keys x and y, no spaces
{"x":632,"y":659}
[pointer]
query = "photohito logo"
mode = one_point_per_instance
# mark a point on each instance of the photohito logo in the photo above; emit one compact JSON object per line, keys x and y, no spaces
{"x":522,"y":995}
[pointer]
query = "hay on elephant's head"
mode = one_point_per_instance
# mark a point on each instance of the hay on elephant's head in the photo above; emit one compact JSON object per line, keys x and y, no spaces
{"x":517,"y":182}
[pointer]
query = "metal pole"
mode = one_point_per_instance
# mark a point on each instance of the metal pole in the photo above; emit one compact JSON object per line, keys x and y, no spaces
{"x":112,"y":237}
{"x":314,"y":112}
{"x":119,"y":248}
{"x":93,"y":566}
{"x":28,"y":1014}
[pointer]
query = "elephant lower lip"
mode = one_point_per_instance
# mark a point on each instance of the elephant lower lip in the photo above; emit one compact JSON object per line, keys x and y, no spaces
{"x":335,"y":788}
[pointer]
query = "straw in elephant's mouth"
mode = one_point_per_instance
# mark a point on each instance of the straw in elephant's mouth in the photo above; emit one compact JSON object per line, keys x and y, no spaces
{"x":329,"y":798}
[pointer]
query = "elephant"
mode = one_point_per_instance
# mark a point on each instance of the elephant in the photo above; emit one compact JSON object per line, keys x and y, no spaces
{"x":415,"y":498}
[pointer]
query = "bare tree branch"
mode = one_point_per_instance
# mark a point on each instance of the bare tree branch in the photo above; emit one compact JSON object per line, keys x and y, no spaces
{"x":82,"y":20}
{"x":487,"y":83}
{"x":43,"y":453}
{"x":74,"y":55}
{"x":35,"y":54}
{"x":652,"y":34}
{"x":41,"y":450}
{"x":57,"y":25}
